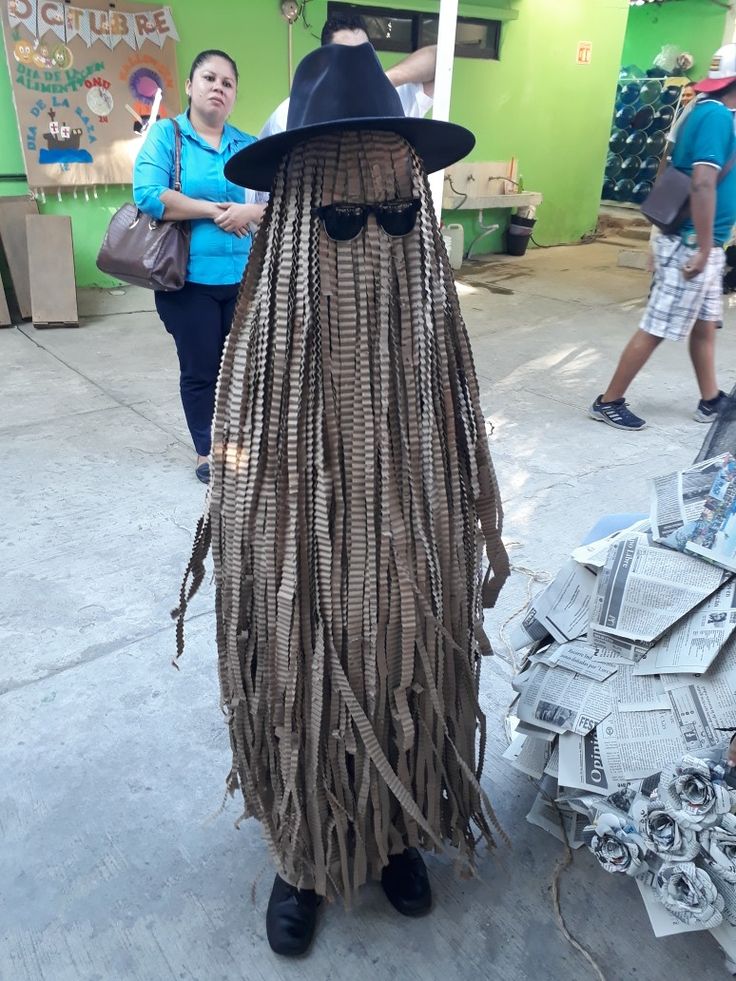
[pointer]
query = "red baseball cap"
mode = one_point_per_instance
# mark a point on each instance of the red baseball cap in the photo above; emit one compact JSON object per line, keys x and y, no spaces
{"x":722,"y":70}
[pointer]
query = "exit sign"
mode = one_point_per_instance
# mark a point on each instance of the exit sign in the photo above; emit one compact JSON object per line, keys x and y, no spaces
{"x":585,"y":51}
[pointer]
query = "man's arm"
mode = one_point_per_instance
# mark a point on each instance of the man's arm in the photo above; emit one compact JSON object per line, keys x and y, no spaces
{"x":418,"y":67}
{"x":703,"y":211}
{"x":710,"y":151}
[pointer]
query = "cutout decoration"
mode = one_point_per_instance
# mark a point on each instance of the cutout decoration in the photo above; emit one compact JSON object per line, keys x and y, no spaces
{"x":73,"y":69}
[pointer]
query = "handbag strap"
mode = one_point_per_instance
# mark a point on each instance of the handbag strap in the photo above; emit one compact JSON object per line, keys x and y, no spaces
{"x":177,"y":156}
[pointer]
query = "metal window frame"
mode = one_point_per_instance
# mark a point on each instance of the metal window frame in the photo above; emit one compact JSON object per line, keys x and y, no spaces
{"x":490,"y":52}
{"x":417,"y":17}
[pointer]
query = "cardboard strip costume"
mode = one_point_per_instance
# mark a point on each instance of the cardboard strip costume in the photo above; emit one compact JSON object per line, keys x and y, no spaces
{"x":352,"y":494}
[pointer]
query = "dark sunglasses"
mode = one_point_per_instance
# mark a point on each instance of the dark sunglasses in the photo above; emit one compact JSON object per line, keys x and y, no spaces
{"x":345,"y":221}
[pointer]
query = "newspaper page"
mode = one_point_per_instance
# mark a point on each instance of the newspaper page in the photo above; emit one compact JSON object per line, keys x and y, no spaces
{"x":714,"y":535}
{"x":693,"y":644}
{"x":552,"y":768}
{"x":528,"y":754}
{"x":725,"y":663}
{"x":536,"y":732}
{"x":637,"y":694}
{"x":544,"y":814}
{"x":578,"y":656}
{"x":529,"y":630}
{"x":636,"y":744}
{"x":580,"y":764}
{"x":587,"y":804}
{"x":594,"y":553}
{"x":678,"y":498}
{"x":663,"y":922}
{"x":644,"y":589}
{"x":705,"y":706}
{"x":561,"y":700}
{"x":563,"y":607}
{"x":616,"y":650}
{"x":560,"y":609}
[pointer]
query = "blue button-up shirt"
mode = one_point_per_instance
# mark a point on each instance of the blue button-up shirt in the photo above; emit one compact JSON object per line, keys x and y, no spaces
{"x":216,"y":257}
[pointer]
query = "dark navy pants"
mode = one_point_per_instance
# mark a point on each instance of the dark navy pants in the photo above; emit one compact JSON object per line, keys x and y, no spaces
{"x":198,"y":317}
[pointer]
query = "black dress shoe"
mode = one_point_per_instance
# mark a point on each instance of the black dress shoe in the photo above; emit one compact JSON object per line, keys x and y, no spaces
{"x":203,"y":472}
{"x":291,"y":918}
{"x":406,"y":883}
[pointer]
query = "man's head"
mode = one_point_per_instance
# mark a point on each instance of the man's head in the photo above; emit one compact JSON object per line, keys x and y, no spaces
{"x":721,"y":80}
{"x":345,"y":29}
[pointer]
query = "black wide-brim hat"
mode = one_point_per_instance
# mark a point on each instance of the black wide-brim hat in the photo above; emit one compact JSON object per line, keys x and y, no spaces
{"x":343,"y":87}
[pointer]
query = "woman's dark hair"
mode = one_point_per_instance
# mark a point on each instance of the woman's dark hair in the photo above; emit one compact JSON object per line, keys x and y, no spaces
{"x":211,"y":53}
{"x":342,"y":22}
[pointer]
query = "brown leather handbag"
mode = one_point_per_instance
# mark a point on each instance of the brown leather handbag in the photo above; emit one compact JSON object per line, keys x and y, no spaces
{"x":144,"y":251}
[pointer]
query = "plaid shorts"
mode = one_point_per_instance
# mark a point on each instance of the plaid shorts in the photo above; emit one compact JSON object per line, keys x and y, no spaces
{"x":675,"y":303}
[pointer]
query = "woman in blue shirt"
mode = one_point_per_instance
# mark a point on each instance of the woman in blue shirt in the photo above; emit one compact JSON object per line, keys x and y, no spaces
{"x":199,"y":315}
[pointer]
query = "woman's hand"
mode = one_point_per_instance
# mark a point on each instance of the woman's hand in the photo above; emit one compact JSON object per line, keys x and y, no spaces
{"x":237,"y":218}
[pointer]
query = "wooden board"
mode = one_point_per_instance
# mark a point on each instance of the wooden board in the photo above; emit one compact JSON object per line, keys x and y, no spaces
{"x":13,"y":211}
{"x":51,"y":264}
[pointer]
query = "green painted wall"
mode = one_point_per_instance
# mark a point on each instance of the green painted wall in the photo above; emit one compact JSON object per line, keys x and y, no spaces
{"x":696,"y":26}
{"x":535,"y":103}
{"x":538,"y":105}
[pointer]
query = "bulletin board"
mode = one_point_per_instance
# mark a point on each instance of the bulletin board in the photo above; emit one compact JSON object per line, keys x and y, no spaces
{"x":83,"y":76}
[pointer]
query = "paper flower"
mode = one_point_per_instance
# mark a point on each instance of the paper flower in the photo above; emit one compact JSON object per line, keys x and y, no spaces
{"x":693,"y":794}
{"x":719,"y":848}
{"x":663,"y":835}
{"x":616,"y":845}
{"x":690,"y":895}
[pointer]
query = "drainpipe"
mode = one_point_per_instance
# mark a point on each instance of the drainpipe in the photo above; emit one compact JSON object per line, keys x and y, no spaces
{"x":443,"y":83}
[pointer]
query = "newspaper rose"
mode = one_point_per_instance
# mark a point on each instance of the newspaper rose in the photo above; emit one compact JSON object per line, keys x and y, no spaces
{"x":693,"y":794}
{"x":665,"y":836}
{"x":690,"y":895}
{"x":719,"y":847}
{"x":616,"y":845}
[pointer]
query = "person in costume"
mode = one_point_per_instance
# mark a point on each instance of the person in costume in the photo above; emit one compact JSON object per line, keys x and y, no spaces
{"x":352,"y":493}
{"x":412,"y":77}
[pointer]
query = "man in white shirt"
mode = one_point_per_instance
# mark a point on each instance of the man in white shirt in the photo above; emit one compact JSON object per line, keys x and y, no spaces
{"x":413,"y":78}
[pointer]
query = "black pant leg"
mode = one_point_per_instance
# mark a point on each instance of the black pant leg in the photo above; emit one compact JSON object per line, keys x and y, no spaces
{"x":193,"y":316}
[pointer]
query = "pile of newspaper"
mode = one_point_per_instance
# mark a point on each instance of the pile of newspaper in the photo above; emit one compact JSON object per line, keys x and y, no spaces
{"x":627,"y":702}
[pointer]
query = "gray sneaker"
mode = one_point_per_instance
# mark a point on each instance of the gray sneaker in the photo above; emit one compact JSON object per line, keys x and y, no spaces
{"x":708,"y":411}
{"x":616,"y":414}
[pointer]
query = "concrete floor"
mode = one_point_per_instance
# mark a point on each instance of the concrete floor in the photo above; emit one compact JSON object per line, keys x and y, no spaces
{"x":114,"y":864}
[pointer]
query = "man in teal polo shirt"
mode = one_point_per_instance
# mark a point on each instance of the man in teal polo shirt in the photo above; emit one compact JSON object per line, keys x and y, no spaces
{"x":686,"y":299}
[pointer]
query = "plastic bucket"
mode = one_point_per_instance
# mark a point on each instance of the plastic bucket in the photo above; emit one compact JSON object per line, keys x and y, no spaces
{"x":518,"y":234}
{"x":456,"y":248}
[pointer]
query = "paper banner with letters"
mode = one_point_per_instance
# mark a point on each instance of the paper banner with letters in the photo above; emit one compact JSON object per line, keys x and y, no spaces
{"x":84,"y":77}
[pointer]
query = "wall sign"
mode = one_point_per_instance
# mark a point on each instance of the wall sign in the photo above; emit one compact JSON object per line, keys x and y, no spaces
{"x":83,"y":77}
{"x":585,"y":51}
